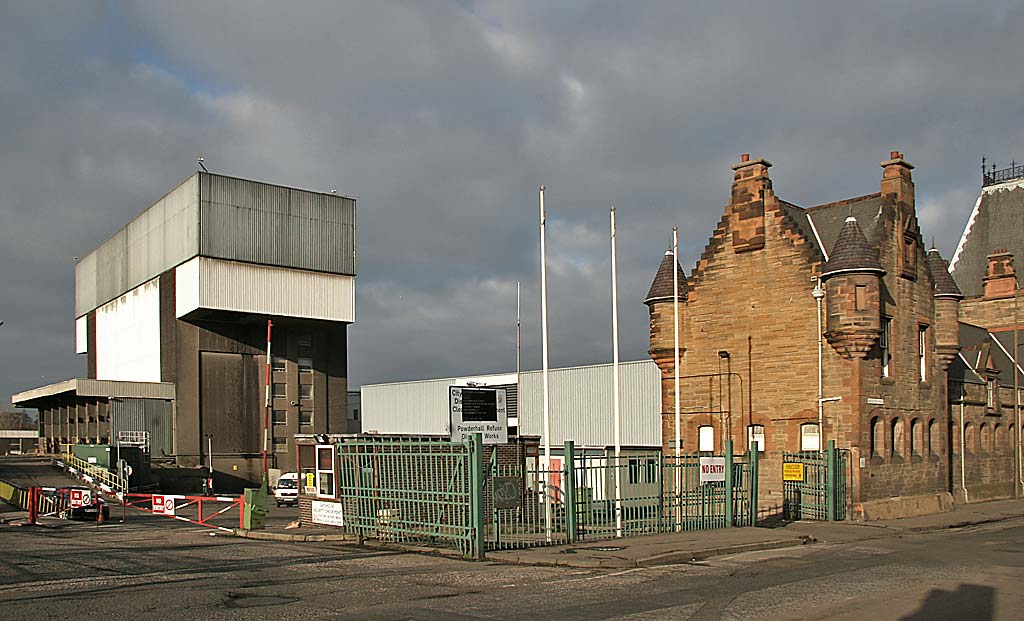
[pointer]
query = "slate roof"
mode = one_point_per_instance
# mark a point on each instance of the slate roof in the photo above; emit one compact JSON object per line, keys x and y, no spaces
{"x":828,"y":219}
{"x":980,"y":349}
{"x":944,"y":283}
{"x":661,"y":288}
{"x":852,"y":252}
{"x":997,"y":222}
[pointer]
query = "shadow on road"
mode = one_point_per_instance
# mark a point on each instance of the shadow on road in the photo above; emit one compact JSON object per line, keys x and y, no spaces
{"x":969,"y":601}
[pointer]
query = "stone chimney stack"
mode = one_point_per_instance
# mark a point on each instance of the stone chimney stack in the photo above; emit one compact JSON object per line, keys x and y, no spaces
{"x":896,"y":178}
{"x":1000,"y":277}
{"x":750,"y":187}
{"x":947,"y":309}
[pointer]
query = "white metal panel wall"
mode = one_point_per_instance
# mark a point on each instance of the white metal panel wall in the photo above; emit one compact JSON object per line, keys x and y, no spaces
{"x":581,"y":405}
{"x":128,"y":336}
{"x":82,"y":335}
{"x":156,"y":240}
{"x":248,"y":288}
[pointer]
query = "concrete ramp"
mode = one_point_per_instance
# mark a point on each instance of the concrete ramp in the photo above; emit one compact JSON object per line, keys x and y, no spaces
{"x":26,"y":471}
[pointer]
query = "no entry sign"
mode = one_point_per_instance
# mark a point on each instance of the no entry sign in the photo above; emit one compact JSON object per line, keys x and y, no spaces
{"x":712,"y":469}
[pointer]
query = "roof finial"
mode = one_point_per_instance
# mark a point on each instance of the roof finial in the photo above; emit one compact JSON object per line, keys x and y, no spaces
{"x":933,"y":242}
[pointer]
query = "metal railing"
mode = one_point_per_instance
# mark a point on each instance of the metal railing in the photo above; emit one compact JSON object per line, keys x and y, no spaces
{"x":93,"y":473}
{"x":816,"y":489}
{"x":993,"y":176}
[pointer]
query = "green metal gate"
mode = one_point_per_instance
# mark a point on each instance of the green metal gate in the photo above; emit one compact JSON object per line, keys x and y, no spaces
{"x":814,"y":484}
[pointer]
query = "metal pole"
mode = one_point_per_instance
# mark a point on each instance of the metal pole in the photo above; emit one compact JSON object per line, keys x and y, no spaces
{"x":266,"y":414}
{"x":615,"y":386}
{"x":818,"y":294}
{"x":1016,"y":386}
{"x":544,"y":357}
{"x":209,"y":452}
{"x":519,"y":347}
{"x":675,"y":367}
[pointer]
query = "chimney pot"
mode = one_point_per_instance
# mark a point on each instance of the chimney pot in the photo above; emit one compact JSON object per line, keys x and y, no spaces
{"x":894,"y":155}
{"x":745,"y":157}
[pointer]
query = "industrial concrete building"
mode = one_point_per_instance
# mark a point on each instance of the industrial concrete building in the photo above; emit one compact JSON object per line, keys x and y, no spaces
{"x":171,"y":313}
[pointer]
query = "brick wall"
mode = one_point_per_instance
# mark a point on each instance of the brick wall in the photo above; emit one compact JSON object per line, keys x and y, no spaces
{"x":989,"y":314}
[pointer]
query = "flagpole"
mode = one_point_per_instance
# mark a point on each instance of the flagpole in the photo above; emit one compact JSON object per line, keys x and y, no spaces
{"x":544,"y":356}
{"x":675,"y":360}
{"x":615,"y":386}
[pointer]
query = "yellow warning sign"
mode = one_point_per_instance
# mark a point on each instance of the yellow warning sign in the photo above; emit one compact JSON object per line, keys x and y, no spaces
{"x":792,"y":471}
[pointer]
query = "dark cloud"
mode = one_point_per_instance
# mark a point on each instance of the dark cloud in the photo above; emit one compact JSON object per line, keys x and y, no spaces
{"x":444,"y":118}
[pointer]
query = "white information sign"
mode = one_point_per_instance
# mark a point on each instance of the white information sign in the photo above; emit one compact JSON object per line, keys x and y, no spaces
{"x":478,"y":410}
{"x":163,"y":504}
{"x":328,"y":513}
{"x":712,"y":469}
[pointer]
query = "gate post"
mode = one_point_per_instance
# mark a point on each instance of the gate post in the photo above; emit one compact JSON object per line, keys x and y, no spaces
{"x":729,"y":498}
{"x":476,"y":495}
{"x":830,"y":482}
{"x":33,"y":505}
{"x":569,"y":481}
{"x":752,"y":487}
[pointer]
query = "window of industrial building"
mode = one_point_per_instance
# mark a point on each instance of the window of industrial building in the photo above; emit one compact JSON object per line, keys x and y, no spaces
{"x":861,"y":297}
{"x":325,"y":471}
{"x":305,"y":392}
{"x":706,"y":438}
{"x":280,"y":417}
{"x":277,"y":363}
{"x":755,"y":438}
{"x":307,"y":468}
{"x":896,"y":438}
{"x":922,"y":348}
{"x":305,"y":365}
{"x":279,"y":390}
{"x":355,"y":414}
{"x":643,"y":471}
{"x":916,"y":437}
{"x":280,"y":445}
{"x":305,"y":417}
{"x":810,"y":437}
{"x":883,"y":346}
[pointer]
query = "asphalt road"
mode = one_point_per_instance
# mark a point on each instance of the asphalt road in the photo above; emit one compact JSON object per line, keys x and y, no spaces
{"x":170,"y":570}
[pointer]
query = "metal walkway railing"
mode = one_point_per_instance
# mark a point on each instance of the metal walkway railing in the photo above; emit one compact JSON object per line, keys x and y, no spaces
{"x":95,"y":474}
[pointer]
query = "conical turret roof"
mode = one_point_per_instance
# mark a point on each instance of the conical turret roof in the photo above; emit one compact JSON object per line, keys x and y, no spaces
{"x":945,"y":286}
{"x":661,"y":288}
{"x":851,"y":252}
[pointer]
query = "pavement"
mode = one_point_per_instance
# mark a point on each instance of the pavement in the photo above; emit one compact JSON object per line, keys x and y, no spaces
{"x":691,"y":546}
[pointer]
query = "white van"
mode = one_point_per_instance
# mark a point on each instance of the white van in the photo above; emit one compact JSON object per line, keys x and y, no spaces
{"x":287,"y":490}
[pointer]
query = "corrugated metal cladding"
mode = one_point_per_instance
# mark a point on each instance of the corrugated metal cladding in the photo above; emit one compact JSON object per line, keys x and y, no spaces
{"x":273,"y":225}
{"x":156,"y":240}
{"x":581,"y":405}
{"x":151,"y":415}
{"x":248,"y":288}
{"x":114,"y":388}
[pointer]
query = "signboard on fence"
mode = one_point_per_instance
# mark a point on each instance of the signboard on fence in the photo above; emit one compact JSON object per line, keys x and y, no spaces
{"x":80,"y":498}
{"x":478,"y":410}
{"x":329,"y":513}
{"x":792,"y":471}
{"x":712,"y":469}
{"x":508,"y":492}
{"x":163,"y":505}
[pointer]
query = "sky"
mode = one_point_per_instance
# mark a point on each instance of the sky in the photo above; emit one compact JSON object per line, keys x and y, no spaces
{"x":443,"y":118}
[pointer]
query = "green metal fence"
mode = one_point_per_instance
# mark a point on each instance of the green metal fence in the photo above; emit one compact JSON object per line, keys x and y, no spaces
{"x":410,"y":491}
{"x":820,"y":493}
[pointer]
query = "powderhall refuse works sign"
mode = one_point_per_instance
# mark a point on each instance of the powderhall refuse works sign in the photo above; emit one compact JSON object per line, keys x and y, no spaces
{"x":478,"y":410}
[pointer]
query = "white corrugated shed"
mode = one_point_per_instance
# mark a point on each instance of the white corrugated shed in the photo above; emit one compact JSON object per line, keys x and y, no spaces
{"x":581,"y":404}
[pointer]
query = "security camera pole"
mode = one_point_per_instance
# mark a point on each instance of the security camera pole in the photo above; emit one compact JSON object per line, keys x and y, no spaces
{"x":266,"y":414}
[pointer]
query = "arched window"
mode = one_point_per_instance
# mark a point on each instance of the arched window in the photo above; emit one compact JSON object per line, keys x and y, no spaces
{"x":916,"y":438}
{"x":810,"y":438}
{"x":706,"y":439}
{"x":897,"y":440}
{"x":986,"y":438}
{"x":969,"y":439}
{"x":933,"y":437}
{"x":877,"y":437}
{"x":998,"y":439}
{"x":755,"y":438}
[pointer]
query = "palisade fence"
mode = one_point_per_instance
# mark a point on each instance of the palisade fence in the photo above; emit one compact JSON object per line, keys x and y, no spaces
{"x":473,"y":498}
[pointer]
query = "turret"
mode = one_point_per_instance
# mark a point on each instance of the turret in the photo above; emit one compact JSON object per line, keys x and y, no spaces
{"x":852,"y":277}
{"x":947,"y":309}
{"x":660,"y":302}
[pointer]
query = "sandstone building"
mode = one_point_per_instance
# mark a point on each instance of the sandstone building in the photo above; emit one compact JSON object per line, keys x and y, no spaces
{"x":749,"y":340}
